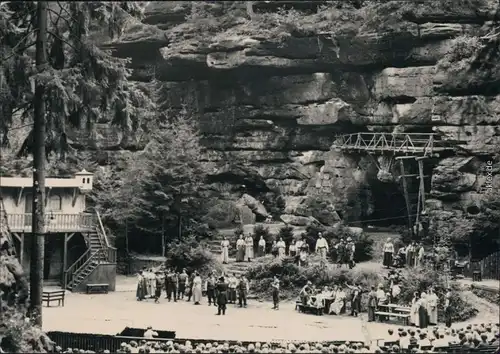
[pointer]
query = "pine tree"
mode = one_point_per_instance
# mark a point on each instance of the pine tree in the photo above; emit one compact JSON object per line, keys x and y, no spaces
{"x":83,"y":83}
{"x":67,"y":83}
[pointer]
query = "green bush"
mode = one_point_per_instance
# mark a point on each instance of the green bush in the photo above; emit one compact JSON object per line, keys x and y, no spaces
{"x":17,"y":333}
{"x":293,"y":277}
{"x":221,"y":214}
{"x":420,"y":280}
{"x":191,"y":255}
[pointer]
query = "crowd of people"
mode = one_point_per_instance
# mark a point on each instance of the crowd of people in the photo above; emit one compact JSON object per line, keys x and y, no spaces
{"x":435,"y":340}
{"x":333,"y":300}
{"x":218,"y":290}
{"x":297,"y":249}
{"x":412,"y":255}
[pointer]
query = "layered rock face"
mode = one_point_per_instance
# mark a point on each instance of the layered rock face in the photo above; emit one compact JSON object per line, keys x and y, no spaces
{"x":270,"y":108}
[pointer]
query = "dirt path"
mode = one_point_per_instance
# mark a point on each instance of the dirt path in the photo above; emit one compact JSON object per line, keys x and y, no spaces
{"x":488,"y":312}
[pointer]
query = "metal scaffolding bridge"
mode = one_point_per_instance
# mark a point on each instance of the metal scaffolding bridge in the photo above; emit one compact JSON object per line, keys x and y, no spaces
{"x":421,"y":144}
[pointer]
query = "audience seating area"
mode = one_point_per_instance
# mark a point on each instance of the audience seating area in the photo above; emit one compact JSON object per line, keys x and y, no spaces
{"x":482,"y":338}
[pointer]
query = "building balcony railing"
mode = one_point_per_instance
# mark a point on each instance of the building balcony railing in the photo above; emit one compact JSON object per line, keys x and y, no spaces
{"x":53,"y":222}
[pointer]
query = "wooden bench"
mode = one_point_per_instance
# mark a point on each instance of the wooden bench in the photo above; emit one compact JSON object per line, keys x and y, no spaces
{"x":404,"y":316}
{"x":97,"y":288}
{"x":56,"y":295}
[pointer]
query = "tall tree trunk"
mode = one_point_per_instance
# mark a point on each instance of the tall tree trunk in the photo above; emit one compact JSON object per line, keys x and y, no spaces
{"x":38,"y":224}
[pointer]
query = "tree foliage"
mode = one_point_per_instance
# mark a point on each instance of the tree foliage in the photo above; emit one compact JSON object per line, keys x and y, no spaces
{"x":83,"y":83}
{"x":160,"y":183}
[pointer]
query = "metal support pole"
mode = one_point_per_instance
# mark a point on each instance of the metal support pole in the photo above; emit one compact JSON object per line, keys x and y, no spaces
{"x":407,"y":198}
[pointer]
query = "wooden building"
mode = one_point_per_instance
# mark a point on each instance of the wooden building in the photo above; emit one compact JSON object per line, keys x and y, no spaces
{"x":77,"y":249}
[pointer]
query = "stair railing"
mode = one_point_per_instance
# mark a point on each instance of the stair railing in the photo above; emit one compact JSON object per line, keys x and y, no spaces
{"x":70,"y":273}
{"x":94,"y":256}
{"x":110,"y":250}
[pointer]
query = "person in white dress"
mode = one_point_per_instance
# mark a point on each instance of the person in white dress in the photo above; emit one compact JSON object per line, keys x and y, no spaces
{"x":225,"y":250}
{"x":321,"y":246}
{"x":419,"y":259}
{"x":338,"y":304}
{"x":249,"y":248}
{"x":197,"y":289}
{"x":414,"y":309}
{"x":281,"y":248}
{"x":388,"y":253}
{"x":432,"y":307}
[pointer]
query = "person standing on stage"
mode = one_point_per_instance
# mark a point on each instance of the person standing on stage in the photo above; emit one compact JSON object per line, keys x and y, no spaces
{"x":232,"y":285}
{"x":210,"y":285}
{"x":183,"y":281}
{"x":321,"y":246}
{"x":276,"y":293}
{"x":225,"y":250}
{"x":221,"y":289}
{"x":243,"y":289}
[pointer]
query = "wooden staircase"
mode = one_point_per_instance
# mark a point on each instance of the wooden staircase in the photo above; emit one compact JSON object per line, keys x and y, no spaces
{"x":98,"y":252}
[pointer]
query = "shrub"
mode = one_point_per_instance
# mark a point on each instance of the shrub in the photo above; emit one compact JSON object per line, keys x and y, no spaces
{"x":189,"y":254}
{"x":420,"y":280}
{"x":293,"y":277}
{"x":221,"y":214}
{"x":17,"y":333}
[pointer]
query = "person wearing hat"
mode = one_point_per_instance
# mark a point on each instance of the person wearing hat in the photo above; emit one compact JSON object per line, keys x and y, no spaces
{"x":321,"y":246}
{"x":341,"y":253}
{"x":149,"y":333}
{"x":350,"y":250}
{"x":388,"y":253}
{"x":243,"y":288}
{"x":209,"y":288}
{"x":221,"y":291}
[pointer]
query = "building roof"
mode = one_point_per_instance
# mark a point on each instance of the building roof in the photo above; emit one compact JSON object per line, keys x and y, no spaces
{"x":27,"y":182}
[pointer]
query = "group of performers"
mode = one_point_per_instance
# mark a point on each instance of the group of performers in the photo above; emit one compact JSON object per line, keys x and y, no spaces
{"x":219,"y":290}
{"x":412,"y":255}
{"x":298,"y":249}
{"x":332,"y":300}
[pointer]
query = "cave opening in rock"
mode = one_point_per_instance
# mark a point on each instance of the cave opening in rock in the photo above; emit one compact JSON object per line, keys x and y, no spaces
{"x":388,"y":200}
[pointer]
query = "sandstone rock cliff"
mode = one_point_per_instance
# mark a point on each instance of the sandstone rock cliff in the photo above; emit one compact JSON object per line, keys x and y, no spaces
{"x":272,"y":89}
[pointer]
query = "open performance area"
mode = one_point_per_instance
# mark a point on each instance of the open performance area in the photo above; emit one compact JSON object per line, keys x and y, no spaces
{"x":250,"y":176}
{"x":111,"y":313}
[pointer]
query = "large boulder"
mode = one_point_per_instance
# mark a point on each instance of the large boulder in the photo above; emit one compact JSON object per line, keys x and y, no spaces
{"x":295,"y":220}
{"x":254,"y":205}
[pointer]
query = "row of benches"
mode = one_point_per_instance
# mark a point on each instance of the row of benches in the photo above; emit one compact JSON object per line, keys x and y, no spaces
{"x":452,"y":348}
{"x":395,"y":311}
{"x":58,"y":295}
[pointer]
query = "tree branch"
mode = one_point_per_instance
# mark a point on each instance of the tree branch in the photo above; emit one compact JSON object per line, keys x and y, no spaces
{"x":63,"y":40}
{"x":17,"y":46}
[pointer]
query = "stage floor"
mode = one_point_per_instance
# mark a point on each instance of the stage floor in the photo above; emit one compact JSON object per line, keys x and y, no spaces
{"x":111,"y":313}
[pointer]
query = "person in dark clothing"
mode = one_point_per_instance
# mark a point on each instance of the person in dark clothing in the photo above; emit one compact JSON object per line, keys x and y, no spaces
{"x":372,"y":304}
{"x":355,"y":300}
{"x":210,"y":289}
{"x":276,"y":293}
{"x":159,"y":285}
{"x":221,"y":289}
{"x":242,"y":292}
{"x":447,"y":308}
{"x":170,"y":285}
{"x":190,"y":286}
